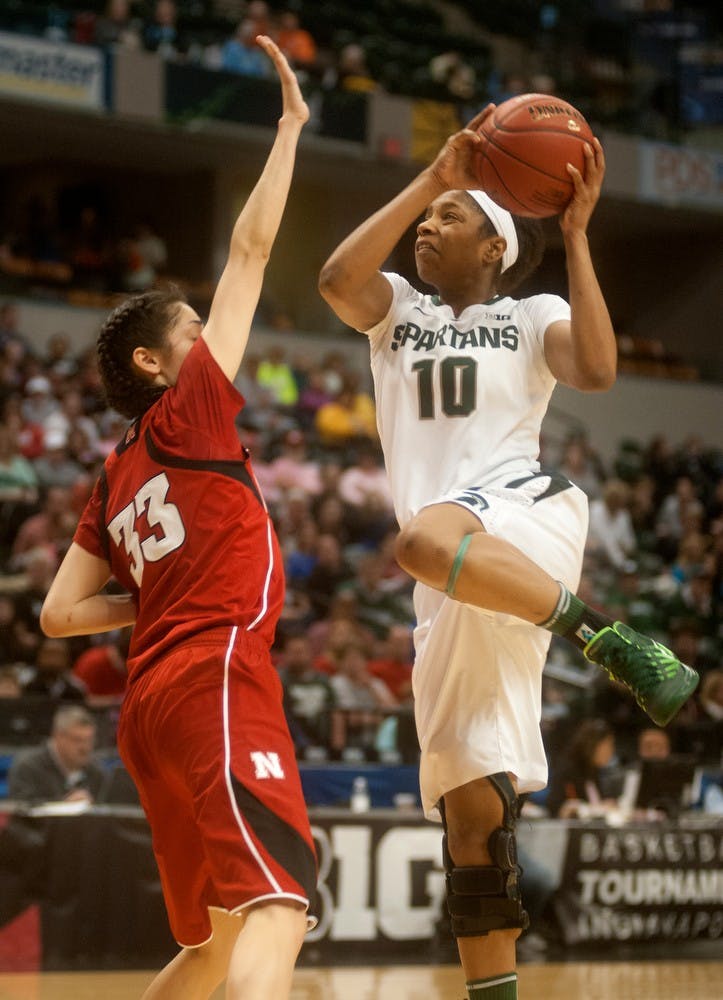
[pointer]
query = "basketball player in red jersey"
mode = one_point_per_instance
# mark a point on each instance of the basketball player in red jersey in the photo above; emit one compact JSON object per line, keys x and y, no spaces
{"x":177,"y":517}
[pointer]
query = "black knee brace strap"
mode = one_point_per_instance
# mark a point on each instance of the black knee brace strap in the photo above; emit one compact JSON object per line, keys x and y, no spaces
{"x":484,"y":898}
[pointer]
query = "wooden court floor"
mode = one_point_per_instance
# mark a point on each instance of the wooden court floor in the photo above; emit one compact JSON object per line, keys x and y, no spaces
{"x":550,"y":981}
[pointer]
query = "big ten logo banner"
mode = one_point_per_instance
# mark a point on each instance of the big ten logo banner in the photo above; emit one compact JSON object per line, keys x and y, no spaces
{"x":642,"y":884}
{"x":377,"y":881}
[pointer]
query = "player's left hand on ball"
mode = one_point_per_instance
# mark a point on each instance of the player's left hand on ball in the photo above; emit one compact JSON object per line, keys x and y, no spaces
{"x":587,"y":188}
{"x":454,"y":165}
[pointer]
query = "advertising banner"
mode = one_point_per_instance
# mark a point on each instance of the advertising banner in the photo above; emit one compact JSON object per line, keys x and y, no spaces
{"x":680,"y":175}
{"x":656,"y":882}
{"x":52,"y":72}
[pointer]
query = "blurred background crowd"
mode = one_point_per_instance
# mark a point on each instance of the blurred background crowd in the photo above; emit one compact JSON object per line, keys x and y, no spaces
{"x":344,"y":643}
{"x":611,"y":57}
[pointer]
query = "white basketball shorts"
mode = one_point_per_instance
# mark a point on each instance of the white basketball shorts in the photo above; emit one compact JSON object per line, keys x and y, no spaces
{"x":478,"y":674}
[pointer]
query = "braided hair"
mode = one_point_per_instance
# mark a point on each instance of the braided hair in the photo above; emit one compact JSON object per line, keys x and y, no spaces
{"x":531,"y":243}
{"x":141,"y":321}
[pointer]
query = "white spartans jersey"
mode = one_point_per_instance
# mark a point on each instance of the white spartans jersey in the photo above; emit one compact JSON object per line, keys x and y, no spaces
{"x":460,"y":401}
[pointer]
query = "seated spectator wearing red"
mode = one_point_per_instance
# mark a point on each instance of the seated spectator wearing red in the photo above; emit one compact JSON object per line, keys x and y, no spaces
{"x":394,"y":667}
{"x":102,"y":669}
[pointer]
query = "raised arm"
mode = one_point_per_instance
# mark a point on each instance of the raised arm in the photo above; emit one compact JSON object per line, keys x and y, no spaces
{"x":237,"y":294}
{"x":583,"y":352}
{"x":350,"y":280}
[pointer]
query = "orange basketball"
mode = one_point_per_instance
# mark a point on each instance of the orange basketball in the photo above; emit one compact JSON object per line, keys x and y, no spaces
{"x":528,"y":140}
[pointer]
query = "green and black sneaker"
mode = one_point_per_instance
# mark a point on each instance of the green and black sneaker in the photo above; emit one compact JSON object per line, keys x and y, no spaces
{"x":660,"y":683}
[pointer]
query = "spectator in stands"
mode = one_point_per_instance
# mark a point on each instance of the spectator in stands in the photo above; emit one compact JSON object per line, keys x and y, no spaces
{"x":581,"y":467}
{"x":378,"y":606}
{"x":18,"y":488}
{"x":142,"y":257}
{"x":18,"y":479}
{"x":89,"y":253}
{"x":21,"y":607}
{"x":680,"y":510}
{"x":349,"y":416}
{"x":660,"y":463}
{"x":39,"y":401}
{"x":71,"y":415}
{"x":53,"y":676}
{"x":577,"y":783}
{"x":295,"y":42}
{"x":311,"y":398}
{"x":9,"y":682}
{"x":62,"y":769}
{"x":240,"y":54}
{"x":394,"y":666}
{"x":300,"y":557}
{"x":611,"y":539}
{"x":330,"y":634}
{"x":117,"y":27}
{"x":351,"y":72}
{"x":456,"y":78}
{"x":56,"y":467}
{"x":275,"y":374}
{"x":59,"y":361}
{"x":10,"y":327}
{"x":711,"y":695}
{"x":331,"y":516}
{"x":101,"y":669}
{"x":365,"y":487}
{"x":643,"y":511}
{"x":335,"y":372}
{"x":308,"y":695}
{"x":51,"y":528}
{"x":161,"y":34}
{"x":259,"y":15}
{"x":359,"y":696}
{"x":329,"y":573}
{"x":653,"y":744}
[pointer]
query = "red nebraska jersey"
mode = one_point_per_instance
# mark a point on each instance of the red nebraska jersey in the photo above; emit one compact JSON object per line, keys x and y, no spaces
{"x":178,"y":515}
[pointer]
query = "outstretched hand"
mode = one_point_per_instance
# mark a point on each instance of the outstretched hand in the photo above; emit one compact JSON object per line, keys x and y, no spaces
{"x":454,"y":166}
{"x":295,"y":107}
{"x":587,"y":189}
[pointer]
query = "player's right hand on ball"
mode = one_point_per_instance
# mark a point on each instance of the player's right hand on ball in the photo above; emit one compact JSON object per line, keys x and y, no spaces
{"x":454,"y":166}
{"x":294,"y":106}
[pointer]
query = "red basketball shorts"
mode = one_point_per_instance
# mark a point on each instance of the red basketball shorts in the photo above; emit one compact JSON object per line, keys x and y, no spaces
{"x":204,"y":737}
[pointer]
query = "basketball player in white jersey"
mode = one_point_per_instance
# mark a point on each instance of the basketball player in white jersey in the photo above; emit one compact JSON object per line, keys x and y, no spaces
{"x":462,"y":381}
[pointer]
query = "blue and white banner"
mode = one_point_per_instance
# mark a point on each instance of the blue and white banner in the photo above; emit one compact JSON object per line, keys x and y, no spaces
{"x":52,"y":72}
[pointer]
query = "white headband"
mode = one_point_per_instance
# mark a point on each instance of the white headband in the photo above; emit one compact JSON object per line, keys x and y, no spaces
{"x":503,"y":224}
